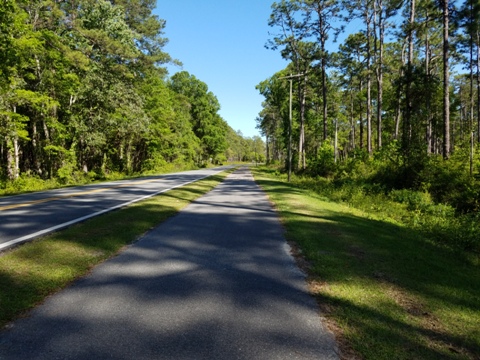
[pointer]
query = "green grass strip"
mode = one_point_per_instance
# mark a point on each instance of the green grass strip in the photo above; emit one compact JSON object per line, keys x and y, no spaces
{"x":35,"y":270}
{"x":387,"y":292}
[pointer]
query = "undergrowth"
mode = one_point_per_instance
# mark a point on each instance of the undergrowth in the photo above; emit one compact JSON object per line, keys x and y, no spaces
{"x":439,"y":198}
{"x":414,"y":209}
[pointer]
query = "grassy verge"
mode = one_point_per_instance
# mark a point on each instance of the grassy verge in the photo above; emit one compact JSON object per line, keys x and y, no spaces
{"x":414,"y":209}
{"x":388,"y":292}
{"x":35,"y":270}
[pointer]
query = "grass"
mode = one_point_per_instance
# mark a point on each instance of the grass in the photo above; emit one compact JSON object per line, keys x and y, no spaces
{"x":415,"y":209}
{"x":387,"y":291}
{"x":31,"y":272}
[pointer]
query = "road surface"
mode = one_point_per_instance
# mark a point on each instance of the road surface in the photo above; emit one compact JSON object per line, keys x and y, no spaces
{"x":28,"y":216}
{"x":215,"y":281}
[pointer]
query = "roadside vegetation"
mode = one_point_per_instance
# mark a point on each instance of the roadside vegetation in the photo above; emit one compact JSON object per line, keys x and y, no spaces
{"x":388,"y":270}
{"x":378,"y":181}
{"x":438,"y":198}
{"x":85,"y":96}
{"x":35,"y":270}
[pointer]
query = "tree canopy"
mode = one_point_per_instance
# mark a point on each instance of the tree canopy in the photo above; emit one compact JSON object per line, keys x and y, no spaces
{"x":396,"y":90}
{"x":84,"y":90}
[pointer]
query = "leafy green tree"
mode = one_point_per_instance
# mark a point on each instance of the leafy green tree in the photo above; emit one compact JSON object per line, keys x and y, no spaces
{"x":320,"y":16}
{"x":108,"y":111}
{"x":207,"y":125}
{"x":82,"y":87}
{"x":363,"y":9}
{"x":170,"y":138}
{"x":383,"y":11}
{"x":7,"y":57}
{"x":13,"y":130}
{"x":32,"y":92}
{"x":149,"y":29}
{"x":301,"y":53}
{"x":350,"y":60}
{"x":273,"y":120}
{"x":468,"y":18}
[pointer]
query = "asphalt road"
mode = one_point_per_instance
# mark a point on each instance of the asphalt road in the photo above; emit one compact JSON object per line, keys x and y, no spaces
{"x":28,"y":216}
{"x":214,"y":282}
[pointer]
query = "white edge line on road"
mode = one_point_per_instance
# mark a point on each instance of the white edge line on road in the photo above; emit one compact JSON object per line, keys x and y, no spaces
{"x":83,"y":218}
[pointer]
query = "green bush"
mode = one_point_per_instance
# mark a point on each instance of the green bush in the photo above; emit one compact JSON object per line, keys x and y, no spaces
{"x":324,"y":163}
{"x":449,"y":182}
{"x":26,"y":183}
{"x":437,"y":197}
{"x":66,"y":174}
{"x":413,"y":208}
{"x":415,"y":200}
{"x":154,"y":164}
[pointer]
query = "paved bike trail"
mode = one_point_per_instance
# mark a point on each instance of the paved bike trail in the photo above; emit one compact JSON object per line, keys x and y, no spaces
{"x":214,"y":282}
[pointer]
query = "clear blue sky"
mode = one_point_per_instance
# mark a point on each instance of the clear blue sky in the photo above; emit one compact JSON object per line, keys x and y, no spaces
{"x":221,"y":42}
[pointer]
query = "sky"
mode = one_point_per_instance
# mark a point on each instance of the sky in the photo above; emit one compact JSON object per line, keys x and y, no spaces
{"x":221,"y":42}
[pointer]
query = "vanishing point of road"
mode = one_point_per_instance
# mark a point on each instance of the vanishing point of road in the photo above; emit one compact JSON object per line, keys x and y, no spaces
{"x":216,"y":281}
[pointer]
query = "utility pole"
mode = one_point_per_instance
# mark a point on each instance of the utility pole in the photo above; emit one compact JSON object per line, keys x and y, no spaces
{"x":289,"y":149}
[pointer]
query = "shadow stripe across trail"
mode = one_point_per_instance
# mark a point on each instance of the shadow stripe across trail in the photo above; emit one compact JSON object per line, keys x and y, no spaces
{"x":214,"y":282}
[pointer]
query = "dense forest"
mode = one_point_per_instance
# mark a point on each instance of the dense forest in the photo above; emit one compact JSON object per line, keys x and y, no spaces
{"x":84,"y":92}
{"x":395,"y":110}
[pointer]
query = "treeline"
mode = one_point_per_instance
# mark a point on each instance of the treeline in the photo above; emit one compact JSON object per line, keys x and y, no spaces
{"x":84,"y":90}
{"x":397,"y":105}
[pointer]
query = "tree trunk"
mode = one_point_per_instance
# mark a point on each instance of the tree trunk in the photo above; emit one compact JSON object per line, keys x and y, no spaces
{"x":352,"y":123}
{"x":335,"y":146}
{"x":446,"y":84}
{"x":361,"y":118}
{"x":10,"y":161}
{"x":267,"y":142}
{"x":13,"y":159}
{"x":301,"y":142}
{"x":290,"y":115}
{"x":407,"y":124}
{"x":129,"y":156}
{"x":16,"y":157}
{"x":478,"y":87}
{"x":429,"y":130}
{"x":369,"y":84}
{"x":324,"y":94}
{"x":471,"y":127}
{"x":398,"y":105}
{"x":379,"y":71}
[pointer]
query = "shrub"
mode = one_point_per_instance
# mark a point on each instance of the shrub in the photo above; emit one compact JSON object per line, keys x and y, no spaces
{"x":415,"y":200}
{"x":66,"y":174}
{"x":28,"y":183}
{"x":413,"y":208}
{"x":324,"y":163}
{"x":450,"y":182}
